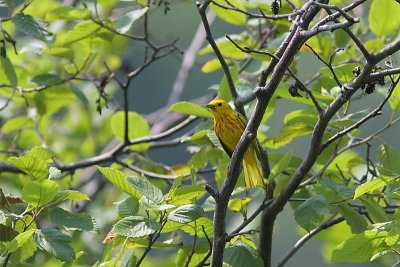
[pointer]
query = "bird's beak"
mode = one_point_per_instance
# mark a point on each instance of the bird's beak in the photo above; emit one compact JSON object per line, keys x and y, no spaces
{"x":210,"y":106}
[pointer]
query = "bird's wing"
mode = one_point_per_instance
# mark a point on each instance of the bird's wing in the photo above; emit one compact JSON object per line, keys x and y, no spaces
{"x":225,"y":147}
{"x":243,"y":123}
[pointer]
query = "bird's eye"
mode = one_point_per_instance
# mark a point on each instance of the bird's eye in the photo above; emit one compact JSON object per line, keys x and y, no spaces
{"x":219,"y":104}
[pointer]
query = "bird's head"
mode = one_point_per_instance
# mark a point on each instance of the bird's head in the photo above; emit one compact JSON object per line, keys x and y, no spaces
{"x":219,"y":106}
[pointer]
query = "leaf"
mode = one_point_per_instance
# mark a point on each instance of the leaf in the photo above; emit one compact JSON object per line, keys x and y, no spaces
{"x":343,"y":72}
{"x":32,"y":26}
{"x":41,"y":153}
{"x":388,"y":158}
{"x":136,"y":226}
{"x":26,"y":251}
{"x":54,"y":242}
{"x":186,"y":213}
{"x":211,"y":65}
{"x":142,"y":185}
{"x":73,"y":221}
{"x":224,"y":91}
{"x":383,"y":17}
{"x":7,"y":233}
{"x":185,"y":194}
{"x":126,"y":21}
{"x":9,"y":71}
{"x":358,"y":248}
{"x":190,"y":109}
{"x":17,"y":123}
{"x":81,"y":31}
{"x":286,"y":135}
{"x":40,"y":192}
{"x":63,"y":52}
{"x":78,"y":92}
{"x":355,"y":220}
{"x":238,"y":204}
{"x":370,"y":186}
{"x":144,"y":242}
{"x":20,"y":240}
{"x":118,"y":178}
{"x":281,"y":166}
{"x":311,"y":212}
{"x":68,"y":13}
{"x":230,"y":16}
{"x":35,"y":167}
{"x":394,"y":99}
{"x":305,"y":116}
{"x":375,"y":211}
{"x":128,"y":207}
{"x":46,"y":79}
{"x":196,"y":254}
{"x":70,"y":194}
{"x":242,"y":255}
{"x":138,"y":127}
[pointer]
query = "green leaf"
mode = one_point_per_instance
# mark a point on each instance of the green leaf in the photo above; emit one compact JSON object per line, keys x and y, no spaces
{"x":68,"y":13}
{"x":375,"y":211}
{"x":355,"y":220}
{"x":32,"y":26}
{"x":305,"y":116}
{"x":40,"y":192}
{"x":54,"y":242}
{"x":281,"y":166}
{"x":9,"y":71}
{"x":394,"y":99}
{"x":73,"y":221}
{"x":7,"y":233}
{"x":46,"y":79}
{"x":238,"y":204}
{"x":230,"y":16}
{"x":70,"y":194}
{"x":196,"y":227}
{"x":33,"y":166}
{"x":138,"y":127}
{"x":287,"y":134}
{"x":383,"y":17}
{"x":26,"y":251}
{"x":224,"y":91}
{"x":343,"y":72}
{"x":78,"y":92}
{"x":63,"y":52}
{"x":128,"y":207}
{"x":371,"y":186}
{"x":17,"y":123}
{"x":358,"y":248}
{"x":118,"y":178}
{"x":81,"y":31}
{"x":126,"y":21}
{"x":311,"y":212}
{"x":186,"y":213}
{"x":20,"y":240}
{"x":211,"y":65}
{"x":142,"y":185}
{"x":136,"y":226}
{"x":242,"y":255}
{"x":388,"y":158}
{"x":41,"y":153}
{"x":185,"y":194}
{"x":191,"y":109}
{"x":196,"y":254}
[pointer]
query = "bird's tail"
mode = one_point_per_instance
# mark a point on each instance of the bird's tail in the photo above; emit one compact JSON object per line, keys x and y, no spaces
{"x":252,"y":174}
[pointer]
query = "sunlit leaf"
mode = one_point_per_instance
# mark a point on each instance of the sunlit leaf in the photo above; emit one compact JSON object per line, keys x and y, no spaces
{"x":40,"y":192}
{"x":68,"y":13}
{"x":371,"y":186}
{"x":383,"y":17}
{"x":17,"y":123}
{"x":20,"y":240}
{"x":190,"y":109}
{"x":118,"y":178}
{"x":186,"y":213}
{"x":142,"y":185}
{"x":126,"y":21}
{"x":136,"y":226}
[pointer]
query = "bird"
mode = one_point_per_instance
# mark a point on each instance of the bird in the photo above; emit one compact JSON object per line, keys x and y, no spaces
{"x":229,"y":126}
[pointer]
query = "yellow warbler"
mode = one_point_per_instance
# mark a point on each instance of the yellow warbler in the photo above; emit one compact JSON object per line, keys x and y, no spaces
{"x":229,"y":127}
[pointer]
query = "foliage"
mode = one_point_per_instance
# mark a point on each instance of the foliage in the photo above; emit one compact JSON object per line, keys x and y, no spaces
{"x":81,"y":182}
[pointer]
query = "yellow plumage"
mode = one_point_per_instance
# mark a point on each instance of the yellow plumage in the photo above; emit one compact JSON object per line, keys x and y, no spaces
{"x":229,"y":127}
